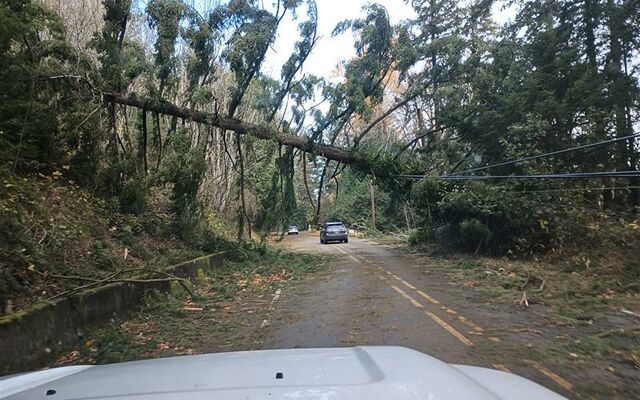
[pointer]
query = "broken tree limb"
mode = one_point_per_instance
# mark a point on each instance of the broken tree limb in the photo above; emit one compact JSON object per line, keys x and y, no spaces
{"x":524,"y":301}
{"x":618,"y":331}
{"x":233,"y":124}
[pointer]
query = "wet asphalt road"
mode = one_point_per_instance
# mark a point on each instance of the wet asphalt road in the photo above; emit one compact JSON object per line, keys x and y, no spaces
{"x":373,"y":294}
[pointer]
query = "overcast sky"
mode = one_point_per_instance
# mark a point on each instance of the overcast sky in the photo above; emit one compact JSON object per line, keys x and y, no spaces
{"x":331,"y":51}
{"x":328,"y":51}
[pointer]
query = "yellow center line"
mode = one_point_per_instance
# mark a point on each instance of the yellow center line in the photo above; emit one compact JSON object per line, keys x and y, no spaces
{"x":434,"y":301}
{"x":341,"y":250}
{"x":552,"y":375}
{"x":449,"y":328}
{"x":407,"y":284}
{"x":434,"y":317}
{"x":406,"y":296}
{"x":426,"y":296}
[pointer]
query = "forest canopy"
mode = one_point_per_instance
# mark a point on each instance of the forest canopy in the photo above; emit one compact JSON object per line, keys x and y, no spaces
{"x":126,"y":96}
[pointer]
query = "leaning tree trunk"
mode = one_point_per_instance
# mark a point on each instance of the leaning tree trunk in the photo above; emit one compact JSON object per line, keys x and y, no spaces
{"x":328,"y":151}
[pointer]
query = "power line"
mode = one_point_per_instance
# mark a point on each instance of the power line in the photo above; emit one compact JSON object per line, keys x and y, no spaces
{"x":570,"y":175}
{"x":578,"y":189}
{"x":553,"y":153}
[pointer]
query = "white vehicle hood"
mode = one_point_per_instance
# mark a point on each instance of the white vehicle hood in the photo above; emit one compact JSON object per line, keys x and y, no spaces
{"x":323,"y":374}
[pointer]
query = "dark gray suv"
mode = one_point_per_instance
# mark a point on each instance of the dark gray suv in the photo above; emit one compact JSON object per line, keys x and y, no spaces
{"x":334,"y":231}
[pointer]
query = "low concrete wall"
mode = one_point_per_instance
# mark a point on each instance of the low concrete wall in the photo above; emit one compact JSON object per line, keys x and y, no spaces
{"x":31,"y":340}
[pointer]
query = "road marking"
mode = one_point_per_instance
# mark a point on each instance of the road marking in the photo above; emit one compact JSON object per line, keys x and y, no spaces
{"x":501,"y":367}
{"x":406,"y":296}
{"x":341,"y":250}
{"x":355,"y":259}
{"x":434,"y":317}
{"x":471,"y":324}
{"x":426,"y":296}
{"x":552,"y":375}
{"x":407,"y":284}
{"x":272,"y":306}
{"x":434,"y":301}
{"x":449,"y":328}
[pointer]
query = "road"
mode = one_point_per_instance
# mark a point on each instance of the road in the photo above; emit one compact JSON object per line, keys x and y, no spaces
{"x":375,"y":295}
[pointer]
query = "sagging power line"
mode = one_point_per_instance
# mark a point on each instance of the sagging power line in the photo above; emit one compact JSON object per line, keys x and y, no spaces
{"x":544,"y":155}
{"x":569,"y":175}
{"x":584,"y":189}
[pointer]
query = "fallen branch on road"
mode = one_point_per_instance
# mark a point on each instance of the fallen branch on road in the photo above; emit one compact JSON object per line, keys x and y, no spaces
{"x":524,"y":301}
{"x":112,"y":279}
{"x":618,"y":331}
{"x":87,"y":286}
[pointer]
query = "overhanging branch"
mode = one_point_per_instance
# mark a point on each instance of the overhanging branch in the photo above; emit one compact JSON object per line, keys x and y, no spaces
{"x":233,"y":124}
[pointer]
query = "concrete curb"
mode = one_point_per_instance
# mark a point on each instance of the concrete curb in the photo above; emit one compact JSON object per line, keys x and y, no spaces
{"x":30,"y":340}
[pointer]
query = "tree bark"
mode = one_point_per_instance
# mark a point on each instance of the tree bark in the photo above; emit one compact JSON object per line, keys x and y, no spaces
{"x":316,"y":218}
{"x":620,"y":89}
{"x":159,"y":140}
{"x":304,"y":178}
{"x":590,"y":15}
{"x":144,"y":141}
{"x":233,"y":124}
{"x":372,"y":191}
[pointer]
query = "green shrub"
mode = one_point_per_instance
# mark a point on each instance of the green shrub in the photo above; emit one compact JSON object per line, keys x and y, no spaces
{"x":133,"y":197}
{"x":476,"y":216}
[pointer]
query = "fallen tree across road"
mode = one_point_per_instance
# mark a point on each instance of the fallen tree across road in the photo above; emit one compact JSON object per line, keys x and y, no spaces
{"x":233,"y":124}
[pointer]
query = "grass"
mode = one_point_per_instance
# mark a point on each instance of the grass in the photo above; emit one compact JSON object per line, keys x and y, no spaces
{"x":50,"y":227}
{"x":227,"y":313}
{"x":573,"y":315}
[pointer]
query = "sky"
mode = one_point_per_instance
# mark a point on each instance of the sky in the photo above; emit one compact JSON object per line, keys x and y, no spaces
{"x":329,"y":52}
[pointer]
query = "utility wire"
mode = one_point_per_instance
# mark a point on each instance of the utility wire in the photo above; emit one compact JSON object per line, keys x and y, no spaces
{"x":553,"y":153}
{"x":570,"y":175}
{"x":577,"y":189}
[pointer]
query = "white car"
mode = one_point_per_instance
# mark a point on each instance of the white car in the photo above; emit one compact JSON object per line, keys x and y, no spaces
{"x":358,"y":373}
{"x":293,"y":230}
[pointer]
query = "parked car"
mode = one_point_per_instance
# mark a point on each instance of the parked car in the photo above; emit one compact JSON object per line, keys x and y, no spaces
{"x":334,"y":231}
{"x":340,"y":373}
{"x":293,"y":230}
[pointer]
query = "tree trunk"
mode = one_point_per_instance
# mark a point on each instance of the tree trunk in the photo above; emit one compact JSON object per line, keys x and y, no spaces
{"x":316,"y":217}
{"x":281,"y":183}
{"x":145,"y":136}
{"x":159,"y":140}
{"x":330,"y":151}
{"x":590,"y":14}
{"x":243,"y":211}
{"x":304,"y":178}
{"x":113,"y":143}
{"x":633,"y":156}
{"x":406,"y":215}
{"x":619,"y":90}
{"x":373,"y":201}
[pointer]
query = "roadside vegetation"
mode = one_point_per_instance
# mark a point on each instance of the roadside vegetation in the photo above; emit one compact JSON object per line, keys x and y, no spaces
{"x":59,"y":237}
{"x":227,"y":313}
{"x":136,"y":134}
